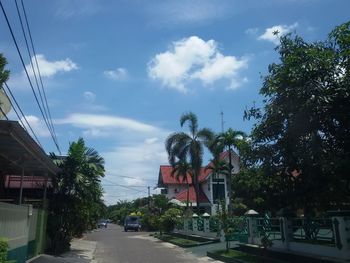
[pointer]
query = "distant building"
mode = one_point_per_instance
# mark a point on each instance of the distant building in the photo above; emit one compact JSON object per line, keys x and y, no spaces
{"x":212,"y":188}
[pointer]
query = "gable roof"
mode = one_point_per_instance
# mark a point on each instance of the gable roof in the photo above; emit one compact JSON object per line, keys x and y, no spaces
{"x":166,"y":178}
{"x":182,"y":196}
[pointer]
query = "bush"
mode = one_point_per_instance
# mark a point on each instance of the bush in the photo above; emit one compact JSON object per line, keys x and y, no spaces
{"x":3,"y":251}
{"x":169,"y":219}
{"x":150,"y":222}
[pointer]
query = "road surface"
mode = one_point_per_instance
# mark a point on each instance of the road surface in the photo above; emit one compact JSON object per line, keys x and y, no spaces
{"x":116,"y":246}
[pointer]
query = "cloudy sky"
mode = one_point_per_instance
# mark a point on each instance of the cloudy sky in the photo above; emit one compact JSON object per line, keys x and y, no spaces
{"x":120,"y":73}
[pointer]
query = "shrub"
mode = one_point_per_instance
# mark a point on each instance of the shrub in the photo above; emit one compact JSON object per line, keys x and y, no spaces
{"x":3,"y":251}
{"x":169,"y":219}
{"x":150,"y":222}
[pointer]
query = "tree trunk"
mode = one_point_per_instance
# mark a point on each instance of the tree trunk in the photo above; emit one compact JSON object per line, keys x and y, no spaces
{"x":196,"y":185}
{"x":188,"y":196}
{"x":229,"y":189}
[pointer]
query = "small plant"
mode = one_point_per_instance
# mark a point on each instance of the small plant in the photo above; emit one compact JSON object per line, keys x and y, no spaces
{"x":225,"y":223}
{"x":3,"y":251}
{"x":266,"y":242}
{"x":169,"y":220}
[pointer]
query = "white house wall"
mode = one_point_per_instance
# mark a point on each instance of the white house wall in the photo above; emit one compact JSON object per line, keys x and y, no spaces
{"x":174,"y":189}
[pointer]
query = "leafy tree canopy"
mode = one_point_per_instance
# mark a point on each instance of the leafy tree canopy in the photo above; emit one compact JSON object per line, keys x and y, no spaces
{"x":302,"y":134}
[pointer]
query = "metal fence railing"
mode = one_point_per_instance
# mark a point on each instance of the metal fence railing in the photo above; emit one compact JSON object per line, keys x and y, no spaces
{"x":272,"y":227}
{"x":313,"y":230}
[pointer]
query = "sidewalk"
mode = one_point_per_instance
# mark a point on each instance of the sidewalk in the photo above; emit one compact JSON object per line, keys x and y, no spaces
{"x":82,"y":251}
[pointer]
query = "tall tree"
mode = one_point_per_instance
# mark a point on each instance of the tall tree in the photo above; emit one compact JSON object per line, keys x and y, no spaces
{"x":189,"y":147}
{"x":182,"y":170}
{"x":229,"y":140}
{"x":217,"y":165}
{"x":4,"y":74}
{"x":77,"y":199}
{"x":303,"y":130}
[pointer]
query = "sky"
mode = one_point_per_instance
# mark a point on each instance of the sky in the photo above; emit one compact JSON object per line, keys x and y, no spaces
{"x":121,"y":73}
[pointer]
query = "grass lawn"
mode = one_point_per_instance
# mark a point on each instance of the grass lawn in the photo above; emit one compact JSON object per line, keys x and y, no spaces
{"x":234,"y":254}
{"x":177,"y":240}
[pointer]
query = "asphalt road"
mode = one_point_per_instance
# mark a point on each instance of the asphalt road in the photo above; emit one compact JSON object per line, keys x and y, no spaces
{"x":116,"y":246}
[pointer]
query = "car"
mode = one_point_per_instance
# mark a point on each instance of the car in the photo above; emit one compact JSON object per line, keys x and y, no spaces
{"x":132,"y":223}
{"x":102,"y":223}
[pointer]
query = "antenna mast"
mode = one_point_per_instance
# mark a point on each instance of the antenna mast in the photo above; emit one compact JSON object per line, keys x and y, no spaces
{"x":222,"y":121}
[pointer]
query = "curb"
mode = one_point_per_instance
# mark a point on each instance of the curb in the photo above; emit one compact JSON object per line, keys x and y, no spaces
{"x":34,"y":258}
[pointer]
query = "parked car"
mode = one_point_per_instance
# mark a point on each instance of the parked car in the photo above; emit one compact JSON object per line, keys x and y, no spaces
{"x":132,"y":223}
{"x":102,"y":223}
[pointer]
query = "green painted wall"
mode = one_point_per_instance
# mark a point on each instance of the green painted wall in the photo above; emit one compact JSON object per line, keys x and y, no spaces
{"x":19,"y":254}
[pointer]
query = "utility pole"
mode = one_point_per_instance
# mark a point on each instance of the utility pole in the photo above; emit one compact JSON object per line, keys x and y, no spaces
{"x":222,"y":121}
{"x":149,"y":197}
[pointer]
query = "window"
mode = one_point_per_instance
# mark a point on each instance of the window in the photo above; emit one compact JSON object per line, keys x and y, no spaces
{"x":218,"y":192}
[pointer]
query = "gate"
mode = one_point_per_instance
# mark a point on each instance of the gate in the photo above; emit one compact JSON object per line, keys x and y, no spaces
{"x":239,"y":226}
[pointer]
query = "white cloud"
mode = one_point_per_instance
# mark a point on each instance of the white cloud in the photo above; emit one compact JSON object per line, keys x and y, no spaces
{"x":104,"y":123}
{"x":38,"y":126}
{"x":194,"y":59}
{"x":67,"y":9}
{"x":50,"y":68}
{"x":133,"y":158}
{"x":138,"y":160}
{"x":269,"y":34}
{"x":170,"y":13}
{"x":118,"y":74}
{"x":89,"y":96}
{"x":252,"y":31}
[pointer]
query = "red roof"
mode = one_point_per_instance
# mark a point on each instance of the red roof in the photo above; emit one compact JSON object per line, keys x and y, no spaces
{"x":165,"y":175}
{"x":166,"y":178}
{"x":182,"y":196}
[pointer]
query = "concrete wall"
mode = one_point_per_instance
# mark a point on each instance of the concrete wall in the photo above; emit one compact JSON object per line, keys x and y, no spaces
{"x":19,"y":225}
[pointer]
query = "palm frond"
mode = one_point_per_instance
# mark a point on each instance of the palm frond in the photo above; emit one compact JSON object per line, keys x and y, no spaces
{"x":193,"y":122}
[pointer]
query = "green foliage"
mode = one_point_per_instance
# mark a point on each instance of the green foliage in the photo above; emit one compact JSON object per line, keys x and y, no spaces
{"x":226,"y":140}
{"x":4,"y":74}
{"x":301,"y":141}
{"x":169,"y":219}
{"x":3,"y":251}
{"x":225,"y":222}
{"x":150,"y":222}
{"x":189,"y":147}
{"x":76,"y":203}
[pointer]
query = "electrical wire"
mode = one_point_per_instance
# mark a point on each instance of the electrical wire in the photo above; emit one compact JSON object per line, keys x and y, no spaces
{"x":37,"y":66}
{"x":3,"y":113}
{"x":25,"y":69}
{"x":19,"y":108}
{"x":31,"y":62}
{"x":124,"y":186}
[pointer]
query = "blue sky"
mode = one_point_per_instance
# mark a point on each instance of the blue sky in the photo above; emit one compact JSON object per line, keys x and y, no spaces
{"x":120,"y":73}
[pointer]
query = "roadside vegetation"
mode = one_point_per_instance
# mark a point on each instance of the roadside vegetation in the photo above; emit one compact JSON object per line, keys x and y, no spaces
{"x":76,"y":204}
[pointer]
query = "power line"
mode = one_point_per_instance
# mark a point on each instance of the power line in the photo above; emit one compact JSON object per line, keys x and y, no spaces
{"x":31,"y":63}
{"x":12,"y":106}
{"x":124,"y":186}
{"x":25,"y":69}
{"x":19,"y":118}
{"x":3,"y":113}
{"x":37,"y":66}
{"x":130,"y":177}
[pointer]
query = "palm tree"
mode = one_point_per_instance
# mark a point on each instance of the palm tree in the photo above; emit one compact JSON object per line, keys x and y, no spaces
{"x":217,"y":166}
{"x":229,"y":139}
{"x":189,"y":147}
{"x":181,"y":170}
{"x":77,"y":199}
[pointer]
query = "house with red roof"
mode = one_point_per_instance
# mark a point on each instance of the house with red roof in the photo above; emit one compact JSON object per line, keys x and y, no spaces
{"x":212,"y":188}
